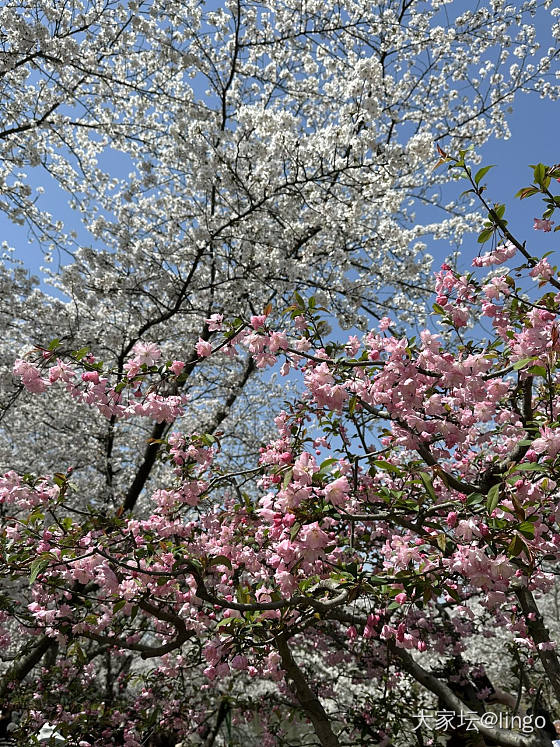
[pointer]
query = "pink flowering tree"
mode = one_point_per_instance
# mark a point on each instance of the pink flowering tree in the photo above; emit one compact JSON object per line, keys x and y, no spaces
{"x":406,"y":509}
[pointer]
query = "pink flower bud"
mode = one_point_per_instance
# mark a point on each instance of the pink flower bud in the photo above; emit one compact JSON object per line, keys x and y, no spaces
{"x":177,"y":367}
{"x":92,"y":376}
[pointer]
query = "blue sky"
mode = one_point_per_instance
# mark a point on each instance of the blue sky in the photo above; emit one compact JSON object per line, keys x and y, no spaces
{"x":534,"y":139}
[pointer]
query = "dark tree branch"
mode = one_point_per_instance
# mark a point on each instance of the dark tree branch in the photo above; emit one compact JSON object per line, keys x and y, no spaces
{"x":24,"y":664}
{"x":453,"y":703}
{"x":307,"y":699}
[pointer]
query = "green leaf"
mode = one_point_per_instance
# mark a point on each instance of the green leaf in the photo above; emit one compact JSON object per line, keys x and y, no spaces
{"x":79,"y":354}
{"x":481,"y":172}
{"x":522,"y":363}
{"x":294,"y":530}
{"x":537,"y":370}
{"x":493,"y":498}
{"x":500,"y":210}
{"x":226,"y":621}
{"x":352,"y":569}
{"x":527,"y":529}
{"x":287,"y":478}
{"x":119,"y":605}
{"x":474,"y":498}
{"x":539,"y":173}
{"x":453,"y":593}
{"x":526,"y":192}
{"x":427,"y":482}
{"x":483,"y":236}
{"x":38,"y":566}
{"x":387,"y":466}
{"x":327,"y":463}
{"x":516,"y":547}
{"x":531,"y":467}
{"x":59,"y":479}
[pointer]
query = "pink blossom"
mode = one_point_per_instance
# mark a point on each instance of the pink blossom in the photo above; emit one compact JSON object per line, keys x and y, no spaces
{"x":488,"y":309}
{"x":203,"y":348}
{"x":146,"y":352}
{"x":548,"y":443}
{"x":497,"y":257}
{"x":543,"y":224}
{"x":313,"y":537}
{"x":466,"y":530}
{"x":214,"y":322}
{"x":132,"y":367}
{"x":352,"y":346}
{"x":177,"y":367}
{"x":459,"y":316}
{"x":454,"y":400}
{"x":542,"y":270}
{"x":258,"y":321}
{"x":305,"y":467}
{"x":337,"y":491}
{"x":239,"y":662}
{"x":61,"y":371}
{"x":91,"y":376}
{"x":496,"y":287}
{"x":451,"y":520}
{"x":277,"y":341}
{"x":30,"y":376}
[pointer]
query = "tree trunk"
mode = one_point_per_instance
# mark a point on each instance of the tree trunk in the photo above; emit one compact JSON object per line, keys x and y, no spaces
{"x":306,"y":697}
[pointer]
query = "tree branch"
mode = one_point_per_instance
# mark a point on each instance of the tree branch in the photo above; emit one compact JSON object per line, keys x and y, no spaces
{"x":540,"y":635}
{"x":453,"y":703}
{"x":307,"y":699}
{"x":18,"y":671}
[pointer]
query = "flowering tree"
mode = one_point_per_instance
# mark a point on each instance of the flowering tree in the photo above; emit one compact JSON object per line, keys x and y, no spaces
{"x":406,"y":507}
{"x":264,"y":144}
{"x":218,"y":159}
